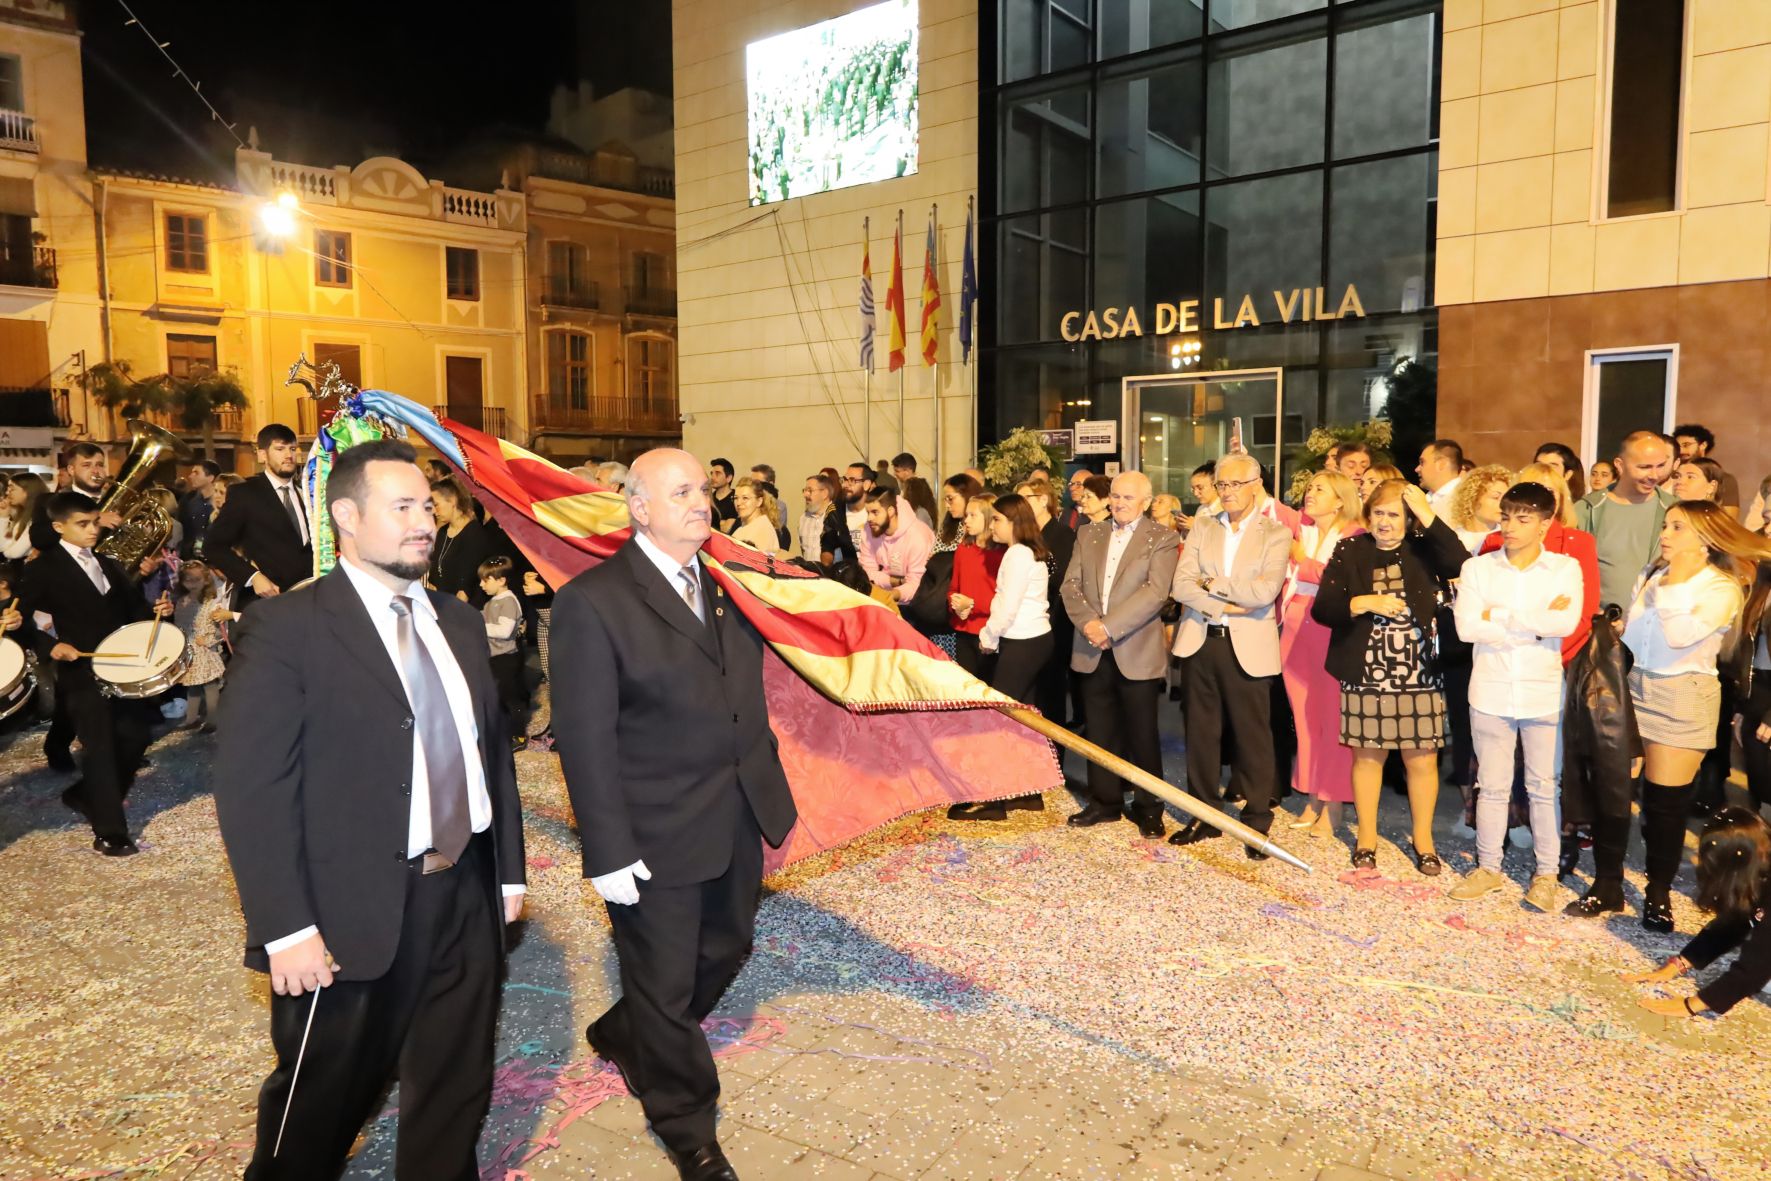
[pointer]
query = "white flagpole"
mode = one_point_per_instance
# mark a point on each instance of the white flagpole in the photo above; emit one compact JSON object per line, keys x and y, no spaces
{"x":935,"y":369}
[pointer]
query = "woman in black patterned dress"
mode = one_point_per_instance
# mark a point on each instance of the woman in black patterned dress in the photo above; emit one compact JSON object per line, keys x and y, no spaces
{"x":1378,"y":596}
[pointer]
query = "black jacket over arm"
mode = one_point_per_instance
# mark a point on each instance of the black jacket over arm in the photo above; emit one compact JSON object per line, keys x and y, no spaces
{"x":661,"y":723}
{"x":255,"y":521}
{"x":1429,"y":559}
{"x":313,"y":772}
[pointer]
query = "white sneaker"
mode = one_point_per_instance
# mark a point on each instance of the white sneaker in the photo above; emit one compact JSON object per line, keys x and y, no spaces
{"x":1480,"y":882}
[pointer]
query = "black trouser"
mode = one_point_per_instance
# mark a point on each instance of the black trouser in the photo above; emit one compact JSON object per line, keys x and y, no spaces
{"x":1757,"y":753}
{"x":61,"y":734}
{"x":507,"y":673}
{"x":1054,"y":679}
{"x":972,"y":658}
{"x":1019,"y":664}
{"x":430,"y":1020}
{"x":678,"y":948}
{"x":1224,"y":703}
{"x":1121,"y":718}
{"x":1663,"y":833}
{"x":113,"y":734}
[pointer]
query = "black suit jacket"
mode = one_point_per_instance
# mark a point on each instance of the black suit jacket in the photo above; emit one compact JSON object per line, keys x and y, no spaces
{"x":313,"y":772}
{"x":661,"y":724}
{"x":1429,"y":560}
{"x":255,"y":520}
{"x":53,"y":582}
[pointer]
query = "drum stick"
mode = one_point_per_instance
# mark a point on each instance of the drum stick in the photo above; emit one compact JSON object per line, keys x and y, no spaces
{"x":295,"y":1075}
{"x":106,"y":656}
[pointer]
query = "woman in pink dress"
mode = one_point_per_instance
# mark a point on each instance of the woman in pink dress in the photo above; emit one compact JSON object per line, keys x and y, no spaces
{"x":1324,"y":768}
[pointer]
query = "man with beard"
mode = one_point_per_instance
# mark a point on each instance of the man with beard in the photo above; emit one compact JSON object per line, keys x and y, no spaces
{"x":896,"y":550}
{"x":674,"y":775}
{"x":87,"y":472}
{"x":369,"y":807}
{"x":265,"y":519}
{"x":857,"y":481}
{"x":725,"y":511}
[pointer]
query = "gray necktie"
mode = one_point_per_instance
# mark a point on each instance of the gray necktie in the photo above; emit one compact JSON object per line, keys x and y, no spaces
{"x":450,"y":827}
{"x":690,"y":590}
{"x":294,"y":513}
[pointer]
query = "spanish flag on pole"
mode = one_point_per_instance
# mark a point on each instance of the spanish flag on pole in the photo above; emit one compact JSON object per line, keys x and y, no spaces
{"x":931,"y":297}
{"x":873,"y":721}
{"x":895,"y":300}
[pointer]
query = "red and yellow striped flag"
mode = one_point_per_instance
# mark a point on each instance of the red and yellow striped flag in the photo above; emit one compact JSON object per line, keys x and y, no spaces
{"x":874,"y":722}
{"x":931,"y":298}
{"x":895,"y":301}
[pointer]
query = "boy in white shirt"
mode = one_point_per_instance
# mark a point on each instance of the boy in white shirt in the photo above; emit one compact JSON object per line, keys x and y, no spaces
{"x":504,"y":618}
{"x":1515,"y":606}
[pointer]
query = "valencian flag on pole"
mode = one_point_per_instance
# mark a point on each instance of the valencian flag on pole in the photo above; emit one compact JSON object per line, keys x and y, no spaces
{"x":968,"y":289}
{"x":931,"y":297}
{"x":873,"y":721}
{"x":866,"y":299}
{"x":895,"y":301}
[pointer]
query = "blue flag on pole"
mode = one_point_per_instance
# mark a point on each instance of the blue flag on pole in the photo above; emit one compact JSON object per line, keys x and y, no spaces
{"x":968,"y":290}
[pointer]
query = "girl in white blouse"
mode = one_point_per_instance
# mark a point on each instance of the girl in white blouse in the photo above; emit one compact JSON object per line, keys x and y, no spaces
{"x":1019,"y":630}
{"x":1684,"y":605}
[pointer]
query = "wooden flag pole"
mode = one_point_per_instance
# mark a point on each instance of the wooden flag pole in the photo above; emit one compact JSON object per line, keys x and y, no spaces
{"x":1139,"y":777}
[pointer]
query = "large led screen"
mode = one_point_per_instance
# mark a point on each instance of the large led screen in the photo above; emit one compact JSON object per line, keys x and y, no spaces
{"x":833,"y":104}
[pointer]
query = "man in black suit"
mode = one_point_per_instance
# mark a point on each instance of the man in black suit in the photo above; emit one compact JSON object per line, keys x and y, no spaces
{"x":266,"y":517}
{"x":90,"y":596}
{"x":369,"y":807}
{"x":675,"y":777}
{"x":88,"y":471}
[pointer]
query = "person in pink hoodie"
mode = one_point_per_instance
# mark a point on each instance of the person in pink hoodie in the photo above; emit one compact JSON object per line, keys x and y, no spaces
{"x":896,"y":548}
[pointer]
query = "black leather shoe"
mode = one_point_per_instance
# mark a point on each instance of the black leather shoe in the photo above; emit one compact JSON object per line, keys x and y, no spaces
{"x":609,"y":1054}
{"x":59,"y":760}
{"x":1149,"y":827}
{"x":706,"y":1163}
{"x":1594,"y":903}
{"x":994,"y":810}
{"x":1657,"y":915}
{"x":960,"y":811}
{"x":1032,"y":803}
{"x":1192,"y":832}
{"x":71,"y":797}
{"x":1092,"y":815}
{"x":114,"y":846}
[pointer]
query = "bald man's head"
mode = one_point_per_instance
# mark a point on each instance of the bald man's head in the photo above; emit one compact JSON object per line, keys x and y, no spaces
{"x":668,"y":500}
{"x":1643,"y":461}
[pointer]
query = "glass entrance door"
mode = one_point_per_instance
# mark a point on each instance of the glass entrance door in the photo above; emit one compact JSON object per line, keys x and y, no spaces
{"x":1173,"y":423}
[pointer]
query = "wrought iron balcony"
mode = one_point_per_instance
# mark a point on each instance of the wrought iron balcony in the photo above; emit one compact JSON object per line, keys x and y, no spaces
{"x":481,"y":418}
{"x":560,"y":292}
{"x":605,"y":415}
{"x":38,"y":270}
{"x":651,"y":301}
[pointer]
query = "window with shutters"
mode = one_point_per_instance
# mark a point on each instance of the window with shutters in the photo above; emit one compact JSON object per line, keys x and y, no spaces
{"x":463,"y":269}
{"x":187,"y":242}
{"x":332,"y":258}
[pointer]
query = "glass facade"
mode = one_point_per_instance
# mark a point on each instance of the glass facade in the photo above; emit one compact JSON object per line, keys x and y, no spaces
{"x":1145,"y":153}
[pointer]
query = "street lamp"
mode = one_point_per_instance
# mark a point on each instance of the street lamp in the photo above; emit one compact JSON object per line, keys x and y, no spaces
{"x":277,"y":218}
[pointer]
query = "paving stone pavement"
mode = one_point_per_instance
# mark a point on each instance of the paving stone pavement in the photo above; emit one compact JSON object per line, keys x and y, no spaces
{"x":936,"y":1001}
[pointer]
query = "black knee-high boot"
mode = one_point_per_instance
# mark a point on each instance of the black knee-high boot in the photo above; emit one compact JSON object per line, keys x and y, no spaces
{"x":1611,"y":839}
{"x":1663,"y":834}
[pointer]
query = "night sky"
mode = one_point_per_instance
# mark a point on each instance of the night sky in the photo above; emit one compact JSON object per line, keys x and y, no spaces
{"x":328,"y":82}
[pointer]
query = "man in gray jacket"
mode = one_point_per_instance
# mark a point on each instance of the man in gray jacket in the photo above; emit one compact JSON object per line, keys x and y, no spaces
{"x":1228,"y":582}
{"x":1114,"y":592}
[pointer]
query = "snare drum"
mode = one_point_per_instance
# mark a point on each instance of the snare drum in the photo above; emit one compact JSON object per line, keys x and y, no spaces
{"x":17,"y":681}
{"x":126,"y":668}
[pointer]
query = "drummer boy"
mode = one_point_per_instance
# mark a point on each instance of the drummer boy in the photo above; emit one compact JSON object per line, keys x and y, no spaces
{"x":88,"y":597}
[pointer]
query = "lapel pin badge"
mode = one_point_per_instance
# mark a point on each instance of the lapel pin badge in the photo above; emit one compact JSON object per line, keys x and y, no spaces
{"x":720,"y":611}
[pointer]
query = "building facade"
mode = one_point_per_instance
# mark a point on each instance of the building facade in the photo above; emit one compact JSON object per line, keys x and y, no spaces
{"x":770,"y":367}
{"x":1605,"y":225}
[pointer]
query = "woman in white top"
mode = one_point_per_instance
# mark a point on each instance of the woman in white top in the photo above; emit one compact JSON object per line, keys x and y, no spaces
{"x":18,"y":505}
{"x":1019,"y":630}
{"x":759,"y":516}
{"x":1688,"y":600}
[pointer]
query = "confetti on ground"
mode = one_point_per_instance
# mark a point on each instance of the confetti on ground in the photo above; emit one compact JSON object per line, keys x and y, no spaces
{"x":937,"y":1000}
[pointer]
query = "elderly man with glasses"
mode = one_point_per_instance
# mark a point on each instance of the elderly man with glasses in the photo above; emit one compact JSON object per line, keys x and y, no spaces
{"x":1228,"y":583}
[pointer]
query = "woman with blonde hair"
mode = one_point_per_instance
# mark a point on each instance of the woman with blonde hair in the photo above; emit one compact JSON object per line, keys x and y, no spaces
{"x":1323,"y":768}
{"x":1686,"y":602}
{"x":1475,"y":508}
{"x":1165,"y":510}
{"x":759,"y":516}
{"x":1375,"y":475}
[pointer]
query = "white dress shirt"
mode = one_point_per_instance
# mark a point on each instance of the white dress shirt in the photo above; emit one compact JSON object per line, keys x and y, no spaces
{"x":1233,"y":535}
{"x":1020,"y":608}
{"x":277,"y":487}
{"x":1441,"y":500}
{"x":1679,"y":628}
{"x":1516,"y":669}
{"x":1116,"y":543}
{"x":378,"y":601}
{"x":89,"y":562}
{"x":674,"y":571}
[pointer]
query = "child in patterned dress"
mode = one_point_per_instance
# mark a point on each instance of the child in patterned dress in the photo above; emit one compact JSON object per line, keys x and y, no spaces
{"x":199,"y":613}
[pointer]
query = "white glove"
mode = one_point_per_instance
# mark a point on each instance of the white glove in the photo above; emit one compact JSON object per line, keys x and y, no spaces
{"x":620,"y":887}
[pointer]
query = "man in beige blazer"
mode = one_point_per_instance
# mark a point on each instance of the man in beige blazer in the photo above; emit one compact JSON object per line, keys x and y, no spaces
{"x":1114,"y":591}
{"x":1228,"y":583}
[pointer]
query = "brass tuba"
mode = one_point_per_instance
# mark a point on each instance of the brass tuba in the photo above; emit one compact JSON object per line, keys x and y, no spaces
{"x":145,"y":526}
